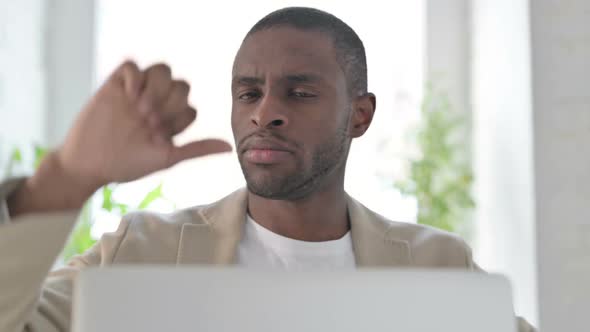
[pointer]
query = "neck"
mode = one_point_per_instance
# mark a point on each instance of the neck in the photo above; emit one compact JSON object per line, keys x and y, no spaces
{"x":322,"y":216}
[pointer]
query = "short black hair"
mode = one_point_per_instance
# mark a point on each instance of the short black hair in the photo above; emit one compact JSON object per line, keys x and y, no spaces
{"x":350,"y":52}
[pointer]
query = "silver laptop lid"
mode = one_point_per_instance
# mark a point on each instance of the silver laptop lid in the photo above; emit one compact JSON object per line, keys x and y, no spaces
{"x":156,"y":299}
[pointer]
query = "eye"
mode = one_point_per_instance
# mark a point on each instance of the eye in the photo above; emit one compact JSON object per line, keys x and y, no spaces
{"x":248,"y":95}
{"x":301,"y":94}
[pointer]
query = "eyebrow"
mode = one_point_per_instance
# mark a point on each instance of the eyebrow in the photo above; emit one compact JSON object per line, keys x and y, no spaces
{"x":292,"y":78}
{"x":303,"y":78}
{"x":247,"y":80}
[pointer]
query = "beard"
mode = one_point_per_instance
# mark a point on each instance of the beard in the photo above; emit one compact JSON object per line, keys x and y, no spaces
{"x":304,"y":179}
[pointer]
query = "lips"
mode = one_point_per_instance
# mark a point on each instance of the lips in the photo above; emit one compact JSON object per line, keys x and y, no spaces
{"x":265,"y":156}
{"x":265,"y":151}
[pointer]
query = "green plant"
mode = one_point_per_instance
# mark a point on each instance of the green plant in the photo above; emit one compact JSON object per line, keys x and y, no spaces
{"x":440,"y":177}
{"x":16,"y":160}
{"x":81,"y":239}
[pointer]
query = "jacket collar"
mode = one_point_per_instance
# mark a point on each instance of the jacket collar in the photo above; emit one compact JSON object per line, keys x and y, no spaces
{"x":216,"y":240}
{"x":374,"y":242}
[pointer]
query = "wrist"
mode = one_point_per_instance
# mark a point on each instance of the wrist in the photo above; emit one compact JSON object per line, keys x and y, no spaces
{"x":51,"y":188}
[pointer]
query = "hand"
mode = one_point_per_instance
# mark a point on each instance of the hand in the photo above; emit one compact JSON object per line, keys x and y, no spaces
{"x":123,"y":133}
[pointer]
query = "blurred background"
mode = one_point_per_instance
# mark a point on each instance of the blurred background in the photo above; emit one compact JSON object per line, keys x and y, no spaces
{"x":481,"y":128}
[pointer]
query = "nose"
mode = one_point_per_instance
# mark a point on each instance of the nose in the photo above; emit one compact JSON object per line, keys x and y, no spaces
{"x":270,"y":113}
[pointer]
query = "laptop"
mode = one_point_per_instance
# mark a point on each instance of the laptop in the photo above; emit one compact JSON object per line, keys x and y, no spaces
{"x":214,"y":299}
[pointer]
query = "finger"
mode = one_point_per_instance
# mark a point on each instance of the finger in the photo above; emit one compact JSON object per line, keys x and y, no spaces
{"x":178,"y":97}
{"x":157,"y":86}
{"x":155,"y":121}
{"x":180,"y":121}
{"x":183,"y":121}
{"x":177,"y":102}
{"x":198,"y":149}
{"x":162,"y":139}
{"x":131,"y":77}
{"x":172,"y":124}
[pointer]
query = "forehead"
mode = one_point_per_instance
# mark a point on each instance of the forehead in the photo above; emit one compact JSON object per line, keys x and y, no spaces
{"x":287,"y":50}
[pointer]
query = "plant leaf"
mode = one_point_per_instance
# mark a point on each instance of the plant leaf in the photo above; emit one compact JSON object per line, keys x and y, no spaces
{"x":40,"y":153}
{"x":107,"y":202}
{"x":16,"y":155}
{"x":151,"y":197}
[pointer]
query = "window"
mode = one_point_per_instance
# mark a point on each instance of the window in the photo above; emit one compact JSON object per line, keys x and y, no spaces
{"x":199,"y":43}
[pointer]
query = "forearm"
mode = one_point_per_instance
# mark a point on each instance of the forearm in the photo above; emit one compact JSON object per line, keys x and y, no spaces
{"x":29,"y":245}
{"x":42,"y":211}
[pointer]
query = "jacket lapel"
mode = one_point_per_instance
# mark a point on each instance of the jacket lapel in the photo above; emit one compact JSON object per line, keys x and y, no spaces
{"x":216,"y":240}
{"x":374,"y":243}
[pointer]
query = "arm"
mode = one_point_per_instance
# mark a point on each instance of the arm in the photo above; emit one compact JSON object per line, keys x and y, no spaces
{"x":30,"y":301}
{"x":28,"y":249}
{"x":31,"y":241}
{"x":124,"y":132}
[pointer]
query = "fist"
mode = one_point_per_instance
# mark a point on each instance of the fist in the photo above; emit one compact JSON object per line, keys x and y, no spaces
{"x":125,"y":131}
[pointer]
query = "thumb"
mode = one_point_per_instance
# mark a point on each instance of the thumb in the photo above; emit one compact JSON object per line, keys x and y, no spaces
{"x":198,"y":149}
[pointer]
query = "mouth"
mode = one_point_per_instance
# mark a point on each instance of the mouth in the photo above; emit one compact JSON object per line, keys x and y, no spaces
{"x":265,"y":156}
{"x":265,"y":152}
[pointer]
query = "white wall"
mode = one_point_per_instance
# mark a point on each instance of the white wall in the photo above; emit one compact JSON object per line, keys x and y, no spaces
{"x":561,"y":119}
{"x":448,"y":54}
{"x":46,"y":69}
{"x":70,"y":62}
{"x":503,"y":146}
{"x":22,"y":72}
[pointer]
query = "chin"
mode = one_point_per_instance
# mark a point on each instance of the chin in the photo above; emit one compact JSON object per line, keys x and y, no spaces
{"x":268,"y":187}
{"x":264,"y":186}
{"x":287,"y":189}
{"x":276,"y":182}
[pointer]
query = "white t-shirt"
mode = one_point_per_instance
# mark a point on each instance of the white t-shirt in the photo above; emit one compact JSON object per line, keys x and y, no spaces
{"x":261,"y":248}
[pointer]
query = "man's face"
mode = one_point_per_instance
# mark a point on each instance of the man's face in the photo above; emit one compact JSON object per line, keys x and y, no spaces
{"x":290,"y":112}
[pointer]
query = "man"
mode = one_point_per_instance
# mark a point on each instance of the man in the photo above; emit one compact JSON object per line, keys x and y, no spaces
{"x":299,"y":91}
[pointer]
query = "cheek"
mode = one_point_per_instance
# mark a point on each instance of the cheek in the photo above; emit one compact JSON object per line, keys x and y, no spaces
{"x":329,"y":121}
{"x":233,"y":119}
{"x":237,"y":115}
{"x":235,"y":124}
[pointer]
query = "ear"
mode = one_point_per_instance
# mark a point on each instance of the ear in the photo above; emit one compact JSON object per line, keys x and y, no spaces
{"x":363,"y":108}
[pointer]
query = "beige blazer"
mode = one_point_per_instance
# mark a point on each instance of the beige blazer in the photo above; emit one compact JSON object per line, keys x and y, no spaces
{"x":32,"y":299}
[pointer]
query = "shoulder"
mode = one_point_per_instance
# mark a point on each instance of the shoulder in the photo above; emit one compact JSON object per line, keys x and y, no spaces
{"x":148,"y":237}
{"x":145,"y":221}
{"x":222,"y":213}
{"x":428,"y":246}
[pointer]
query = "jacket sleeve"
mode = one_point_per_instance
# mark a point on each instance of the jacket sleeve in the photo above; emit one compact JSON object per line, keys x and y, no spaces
{"x":31,"y":298}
